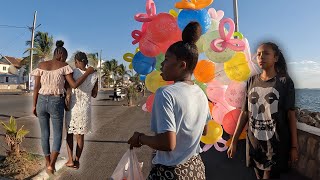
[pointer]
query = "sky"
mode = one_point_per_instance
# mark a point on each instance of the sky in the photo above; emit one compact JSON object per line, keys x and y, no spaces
{"x":95,"y":25}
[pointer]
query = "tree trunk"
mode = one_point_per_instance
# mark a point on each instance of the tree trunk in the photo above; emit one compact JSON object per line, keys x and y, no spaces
{"x":15,"y":149}
{"x":130,"y":102}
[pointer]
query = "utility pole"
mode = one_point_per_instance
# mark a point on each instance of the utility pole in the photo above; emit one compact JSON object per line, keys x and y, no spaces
{"x":235,"y":14}
{"x":100,"y":74}
{"x":31,"y":49}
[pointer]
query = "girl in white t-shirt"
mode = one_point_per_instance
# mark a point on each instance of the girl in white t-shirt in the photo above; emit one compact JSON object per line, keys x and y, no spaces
{"x":178,"y":122}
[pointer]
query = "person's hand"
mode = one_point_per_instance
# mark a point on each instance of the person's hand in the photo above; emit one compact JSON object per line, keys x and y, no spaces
{"x":90,"y":70}
{"x":34,"y":111}
{"x":134,"y":140}
{"x":294,"y":155}
{"x":232,"y":150}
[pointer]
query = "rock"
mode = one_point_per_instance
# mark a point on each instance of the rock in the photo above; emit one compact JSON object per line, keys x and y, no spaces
{"x":312,"y":169}
{"x":311,"y":147}
{"x":308,"y":120}
{"x":302,"y":164}
{"x":302,"y":142}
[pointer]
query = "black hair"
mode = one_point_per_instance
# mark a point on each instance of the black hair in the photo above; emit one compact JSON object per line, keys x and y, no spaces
{"x":186,"y":50}
{"x":60,"y":49}
{"x":280,"y":65}
{"x":82,"y":57}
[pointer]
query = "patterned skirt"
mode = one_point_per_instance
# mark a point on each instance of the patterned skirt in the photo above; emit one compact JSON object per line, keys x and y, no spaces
{"x":193,"y":169}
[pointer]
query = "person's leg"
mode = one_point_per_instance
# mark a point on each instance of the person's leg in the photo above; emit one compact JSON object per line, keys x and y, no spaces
{"x":80,"y":144}
{"x":57,"y":114}
{"x":258,"y":173}
{"x":44,"y":118}
{"x":266,"y":175}
{"x":69,"y":138}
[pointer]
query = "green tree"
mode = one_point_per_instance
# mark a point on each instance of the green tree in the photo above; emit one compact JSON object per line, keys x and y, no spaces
{"x":42,"y":49}
{"x":93,"y":59}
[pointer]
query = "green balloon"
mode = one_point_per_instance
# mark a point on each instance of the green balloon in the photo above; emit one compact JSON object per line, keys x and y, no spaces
{"x":159,"y":60}
{"x":202,"y":85}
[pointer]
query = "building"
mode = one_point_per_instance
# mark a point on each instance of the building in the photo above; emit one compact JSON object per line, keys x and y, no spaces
{"x":11,"y":71}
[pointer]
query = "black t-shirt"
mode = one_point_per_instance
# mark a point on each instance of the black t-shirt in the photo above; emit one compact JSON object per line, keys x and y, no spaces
{"x":268,"y":103}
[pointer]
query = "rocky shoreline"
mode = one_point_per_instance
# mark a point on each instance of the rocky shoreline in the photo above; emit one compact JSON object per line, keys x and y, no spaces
{"x":308,"y":117}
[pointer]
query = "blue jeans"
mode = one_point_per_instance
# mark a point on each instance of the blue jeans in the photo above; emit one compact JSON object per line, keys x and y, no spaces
{"x":50,"y":107}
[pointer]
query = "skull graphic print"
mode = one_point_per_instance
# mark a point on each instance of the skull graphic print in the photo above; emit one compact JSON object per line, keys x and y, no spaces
{"x":263,"y":105}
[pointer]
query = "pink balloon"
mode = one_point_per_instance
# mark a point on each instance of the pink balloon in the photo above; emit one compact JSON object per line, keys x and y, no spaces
{"x":220,"y":44}
{"x":206,"y":147}
{"x":216,"y":15}
{"x":219,"y":110}
{"x":150,"y":12}
{"x":149,"y":103}
{"x":215,"y":91}
{"x":230,"y":120}
{"x":221,"y":149}
{"x":235,"y":94}
{"x":144,"y":107}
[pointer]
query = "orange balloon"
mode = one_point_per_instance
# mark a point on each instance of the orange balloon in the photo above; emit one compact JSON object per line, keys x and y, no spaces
{"x":204,"y":71}
{"x":210,"y":107}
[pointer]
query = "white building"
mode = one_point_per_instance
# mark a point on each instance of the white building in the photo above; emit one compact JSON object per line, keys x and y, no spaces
{"x":11,"y":71}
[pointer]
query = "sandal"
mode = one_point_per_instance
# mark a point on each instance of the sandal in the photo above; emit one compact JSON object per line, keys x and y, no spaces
{"x":50,"y":171}
{"x":76,"y":164}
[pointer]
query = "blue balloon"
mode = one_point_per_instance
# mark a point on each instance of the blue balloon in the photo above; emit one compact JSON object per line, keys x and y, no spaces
{"x":143,"y":64}
{"x":201,"y":16}
{"x":142,"y":77}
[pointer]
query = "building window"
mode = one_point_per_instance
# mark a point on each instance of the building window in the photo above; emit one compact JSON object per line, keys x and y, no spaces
{"x":7,"y":79}
{"x":4,"y":68}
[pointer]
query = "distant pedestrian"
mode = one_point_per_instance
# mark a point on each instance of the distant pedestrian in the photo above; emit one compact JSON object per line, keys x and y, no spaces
{"x":49,"y":100}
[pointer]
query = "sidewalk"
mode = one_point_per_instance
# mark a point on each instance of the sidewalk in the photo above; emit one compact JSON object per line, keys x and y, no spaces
{"x":113,"y":125}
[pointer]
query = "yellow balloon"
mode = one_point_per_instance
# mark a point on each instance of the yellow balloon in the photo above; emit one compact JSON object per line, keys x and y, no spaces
{"x":128,"y":57}
{"x":214,"y":133}
{"x":137,"y":49}
{"x":130,"y":66}
{"x":173,"y":13}
{"x":237,"y":67}
{"x":154,"y":81}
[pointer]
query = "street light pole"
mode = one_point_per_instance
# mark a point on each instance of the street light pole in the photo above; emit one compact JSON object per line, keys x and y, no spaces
{"x":235,"y":14}
{"x":32,"y":43}
{"x":100,"y":74}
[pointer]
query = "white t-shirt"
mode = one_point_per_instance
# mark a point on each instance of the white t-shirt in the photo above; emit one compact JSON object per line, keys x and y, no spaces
{"x":184,"y":109}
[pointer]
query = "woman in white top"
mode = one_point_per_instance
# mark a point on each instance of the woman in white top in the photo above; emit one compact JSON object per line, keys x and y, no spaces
{"x":177,"y":120}
{"x":78,"y":119}
{"x":49,"y":100}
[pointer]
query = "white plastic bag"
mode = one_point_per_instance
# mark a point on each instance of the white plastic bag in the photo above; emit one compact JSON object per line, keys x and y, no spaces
{"x":128,"y":167}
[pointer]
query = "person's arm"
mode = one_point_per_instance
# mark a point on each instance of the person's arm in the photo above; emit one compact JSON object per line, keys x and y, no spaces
{"x":36,"y":89}
{"x":74,"y":84}
{"x":68,"y":96}
{"x":162,"y":142}
{"x":293,"y":128}
{"x":94,"y":92}
{"x":243,"y":120}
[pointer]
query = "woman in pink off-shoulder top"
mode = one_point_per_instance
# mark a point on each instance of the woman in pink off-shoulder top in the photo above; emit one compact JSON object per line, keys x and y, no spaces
{"x":49,"y":100}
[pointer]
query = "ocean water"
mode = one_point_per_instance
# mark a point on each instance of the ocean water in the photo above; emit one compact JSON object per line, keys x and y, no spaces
{"x":308,"y":99}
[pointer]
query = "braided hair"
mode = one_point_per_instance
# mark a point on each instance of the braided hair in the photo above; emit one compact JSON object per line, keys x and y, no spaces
{"x":81,"y":57}
{"x":186,"y":50}
{"x":60,"y":49}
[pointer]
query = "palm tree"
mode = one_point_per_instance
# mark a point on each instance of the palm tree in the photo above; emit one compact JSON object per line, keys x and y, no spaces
{"x":43,"y":47}
{"x":93,"y":59}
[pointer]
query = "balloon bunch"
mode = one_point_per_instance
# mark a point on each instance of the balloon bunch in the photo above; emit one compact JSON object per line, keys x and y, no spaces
{"x":221,"y":76}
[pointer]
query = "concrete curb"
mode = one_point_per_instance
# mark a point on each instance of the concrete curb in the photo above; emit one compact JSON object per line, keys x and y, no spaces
{"x":43,"y":174}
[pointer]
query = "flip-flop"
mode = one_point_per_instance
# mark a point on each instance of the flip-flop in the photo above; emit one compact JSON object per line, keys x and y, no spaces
{"x":68,"y":165}
{"x":76,"y":164}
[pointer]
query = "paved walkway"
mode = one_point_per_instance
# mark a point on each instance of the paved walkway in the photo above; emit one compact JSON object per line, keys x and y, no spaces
{"x":113,"y":124}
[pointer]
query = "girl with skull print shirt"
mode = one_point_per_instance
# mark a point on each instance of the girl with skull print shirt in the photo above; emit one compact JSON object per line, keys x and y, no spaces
{"x":269,"y":109}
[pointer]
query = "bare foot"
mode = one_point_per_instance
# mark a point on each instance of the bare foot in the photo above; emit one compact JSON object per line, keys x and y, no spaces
{"x":50,"y":170}
{"x":69,"y":163}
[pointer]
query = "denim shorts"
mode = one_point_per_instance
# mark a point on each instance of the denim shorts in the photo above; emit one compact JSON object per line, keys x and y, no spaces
{"x":50,"y":107}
